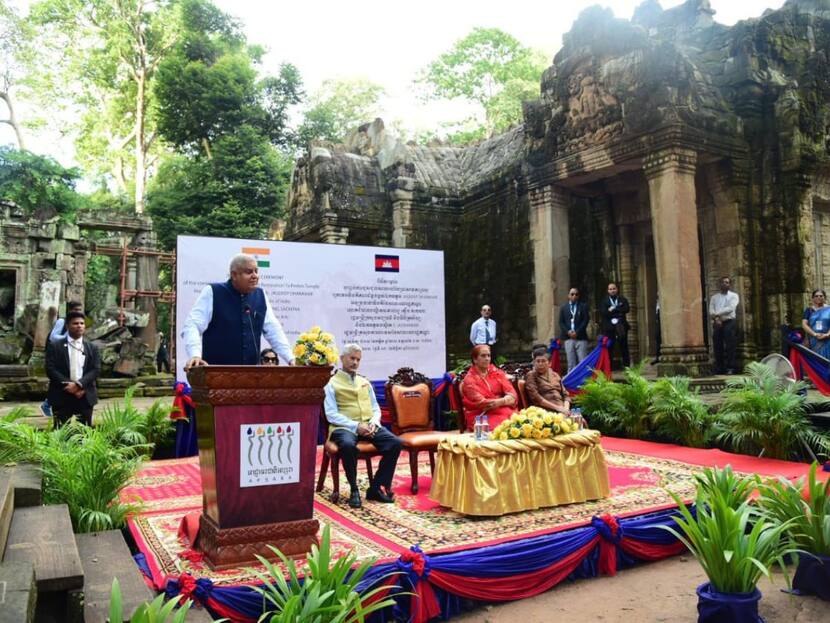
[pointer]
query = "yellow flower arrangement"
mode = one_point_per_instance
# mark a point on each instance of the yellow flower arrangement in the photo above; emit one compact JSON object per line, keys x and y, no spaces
{"x":534,"y":423}
{"x":315,"y":348}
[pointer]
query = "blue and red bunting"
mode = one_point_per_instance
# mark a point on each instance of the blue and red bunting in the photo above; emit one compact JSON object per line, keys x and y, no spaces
{"x":598,"y":360}
{"x":807,"y":363}
{"x":184,"y":414}
{"x":504,"y":572}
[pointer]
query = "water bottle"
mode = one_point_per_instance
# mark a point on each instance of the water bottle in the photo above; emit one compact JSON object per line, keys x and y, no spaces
{"x":477,"y":428}
{"x":485,"y":427}
{"x":576,"y":413}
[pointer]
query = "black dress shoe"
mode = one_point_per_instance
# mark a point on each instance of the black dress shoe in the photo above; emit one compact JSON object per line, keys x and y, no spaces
{"x":376,"y":495}
{"x":354,"y":499}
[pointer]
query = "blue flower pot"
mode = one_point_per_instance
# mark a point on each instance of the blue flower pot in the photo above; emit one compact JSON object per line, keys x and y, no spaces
{"x":812,"y":576}
{"x":715,"y":607}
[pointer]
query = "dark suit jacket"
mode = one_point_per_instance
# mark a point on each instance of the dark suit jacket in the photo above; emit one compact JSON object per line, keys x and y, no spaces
{"x":57,"y":369}
{"x":580,"y":321}
{"x":608,"y":328}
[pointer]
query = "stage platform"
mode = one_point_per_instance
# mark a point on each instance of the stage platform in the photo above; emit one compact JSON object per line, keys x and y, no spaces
{"x":582,"y":540}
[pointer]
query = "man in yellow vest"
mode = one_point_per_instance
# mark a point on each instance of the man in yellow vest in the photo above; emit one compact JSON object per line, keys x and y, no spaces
{"x":353,"y":412}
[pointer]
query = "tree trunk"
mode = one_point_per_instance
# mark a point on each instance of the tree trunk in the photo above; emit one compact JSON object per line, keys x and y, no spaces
{"x":140,"y":139}
{"x":12,"y":120}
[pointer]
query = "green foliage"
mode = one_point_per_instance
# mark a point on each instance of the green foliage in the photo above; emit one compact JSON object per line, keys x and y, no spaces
{"x":491,"y":68}
{"x":733,"y":489}
{"x":765,"y":413}
{"x":84,"y":471}
{"x":208,"y":86}
{"x":328,"y":592}
{"x":337,"y":108}
{"x":237,"y":193}
{"x":39,"y":185}
{"x":734,"y":545}
{"x":160,"y":610}
{"x":125,"y":426}
{"x":156,"y":425}
{"x":804,"y":511}
{"x":618,"y":408}
{"x":679,"y":413}
{"x":601,"y":402}
{"x":97,"y":59}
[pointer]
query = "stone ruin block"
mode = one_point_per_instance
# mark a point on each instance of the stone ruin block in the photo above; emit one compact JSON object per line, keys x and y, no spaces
{"x":68,"y":231}
{"x":41,"y":230}
{"x":12,"y":348}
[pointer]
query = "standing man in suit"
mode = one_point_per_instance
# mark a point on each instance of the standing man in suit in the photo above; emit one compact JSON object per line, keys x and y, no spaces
{"x":613,"y":309}
{"x":573,"y":328}
{"x":73,"y":366}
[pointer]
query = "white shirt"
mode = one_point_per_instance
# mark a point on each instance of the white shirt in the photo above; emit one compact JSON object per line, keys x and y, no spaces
{"x":57,"y":330}
{"x":76,"y":357}
{"x":336,"y":418}
{"x":480,"y":329}
{"x":202,"y":313}
{"x":724,"y":305}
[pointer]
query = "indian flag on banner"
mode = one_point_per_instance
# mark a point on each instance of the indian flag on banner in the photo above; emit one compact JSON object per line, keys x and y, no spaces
{"x":261,"y":254}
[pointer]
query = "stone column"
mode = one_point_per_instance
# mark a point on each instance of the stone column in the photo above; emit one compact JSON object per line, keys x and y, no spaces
{"x":628,"y":288}
{"x":331,"y":232}
{"x":549,"y":236}
{"x":671,"y":185}
{"x":402,"y":196}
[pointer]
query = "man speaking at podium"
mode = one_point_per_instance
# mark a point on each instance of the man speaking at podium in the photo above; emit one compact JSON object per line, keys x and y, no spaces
{"x":228,"y":320}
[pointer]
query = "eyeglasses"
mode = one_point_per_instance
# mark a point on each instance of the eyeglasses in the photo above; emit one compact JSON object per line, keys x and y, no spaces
{"x":269,"y":359}
{"x":818,"y":296}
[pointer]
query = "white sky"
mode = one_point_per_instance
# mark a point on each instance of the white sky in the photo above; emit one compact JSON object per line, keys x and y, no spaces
{"x":390,"y":42}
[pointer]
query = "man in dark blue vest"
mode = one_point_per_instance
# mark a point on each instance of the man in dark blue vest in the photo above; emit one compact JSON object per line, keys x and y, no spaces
{"x":229,"y":319}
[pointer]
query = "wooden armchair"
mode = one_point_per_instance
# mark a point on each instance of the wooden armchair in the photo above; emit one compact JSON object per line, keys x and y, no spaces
{"x":409,"y":398}
{"x":331,"y":456}
{"x":459,"y":400}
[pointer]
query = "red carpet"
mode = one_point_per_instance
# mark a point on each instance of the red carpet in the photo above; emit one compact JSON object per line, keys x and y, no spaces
{"x":640,"y":474}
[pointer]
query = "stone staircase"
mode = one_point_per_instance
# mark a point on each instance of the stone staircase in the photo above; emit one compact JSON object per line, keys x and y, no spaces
{"x":50,"y":575}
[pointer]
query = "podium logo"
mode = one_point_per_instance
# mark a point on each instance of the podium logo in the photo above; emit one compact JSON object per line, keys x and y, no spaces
{"x":269,"y":454}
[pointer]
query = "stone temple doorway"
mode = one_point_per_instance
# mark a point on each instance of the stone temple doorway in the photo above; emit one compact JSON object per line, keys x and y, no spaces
{"x":8,"y":287}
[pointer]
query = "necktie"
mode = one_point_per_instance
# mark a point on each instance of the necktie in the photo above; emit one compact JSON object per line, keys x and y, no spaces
{"x":486,"y":330}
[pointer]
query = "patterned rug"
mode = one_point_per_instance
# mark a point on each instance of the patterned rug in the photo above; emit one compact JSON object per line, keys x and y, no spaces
{"x":171,"y":489}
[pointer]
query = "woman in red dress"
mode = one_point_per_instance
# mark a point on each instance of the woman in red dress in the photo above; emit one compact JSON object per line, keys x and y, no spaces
{"x":486,"y":389}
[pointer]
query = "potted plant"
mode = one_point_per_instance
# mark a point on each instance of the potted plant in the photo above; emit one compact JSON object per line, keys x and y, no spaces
{"x":679,"y":413}
{"x":765,"y":414}
{"x":806,"y":512}
{"x":735,"y":545}
{"x":329,"y":591}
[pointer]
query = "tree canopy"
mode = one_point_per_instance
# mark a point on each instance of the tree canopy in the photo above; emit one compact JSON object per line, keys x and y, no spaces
{"x":488,"y":67}
{"x":40,"y":186}
{"x":229,"y":129}
{"x":101,"y":56}
{"x":338,"y":107}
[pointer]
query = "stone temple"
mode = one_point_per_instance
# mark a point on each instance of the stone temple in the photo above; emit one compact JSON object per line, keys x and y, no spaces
{"x":662,"y":153}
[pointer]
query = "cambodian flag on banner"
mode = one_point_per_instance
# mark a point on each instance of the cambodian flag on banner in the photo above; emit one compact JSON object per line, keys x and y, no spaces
{"x":387,"y":264}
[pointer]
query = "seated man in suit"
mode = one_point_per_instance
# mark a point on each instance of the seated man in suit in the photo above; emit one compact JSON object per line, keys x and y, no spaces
{"x":353,"y":413}
{"x":73,"y":365}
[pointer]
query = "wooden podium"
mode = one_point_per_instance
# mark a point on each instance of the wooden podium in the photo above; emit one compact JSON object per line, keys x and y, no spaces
{"x":257,"y":428}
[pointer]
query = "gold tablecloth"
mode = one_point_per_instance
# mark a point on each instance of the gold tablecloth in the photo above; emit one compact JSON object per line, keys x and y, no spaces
{"x":500,"y":477}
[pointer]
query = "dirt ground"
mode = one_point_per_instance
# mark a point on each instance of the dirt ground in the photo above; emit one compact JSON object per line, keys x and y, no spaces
{"x":660,"y":591}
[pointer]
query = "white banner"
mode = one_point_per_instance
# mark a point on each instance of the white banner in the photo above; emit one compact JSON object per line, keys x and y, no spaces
{"x":390,"y":301}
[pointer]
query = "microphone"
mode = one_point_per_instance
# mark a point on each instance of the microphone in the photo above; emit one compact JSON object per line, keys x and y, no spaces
{"x":246,"y":309}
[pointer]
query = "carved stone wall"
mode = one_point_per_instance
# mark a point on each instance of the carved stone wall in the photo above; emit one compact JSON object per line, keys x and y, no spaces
{"x":748,"y":106}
